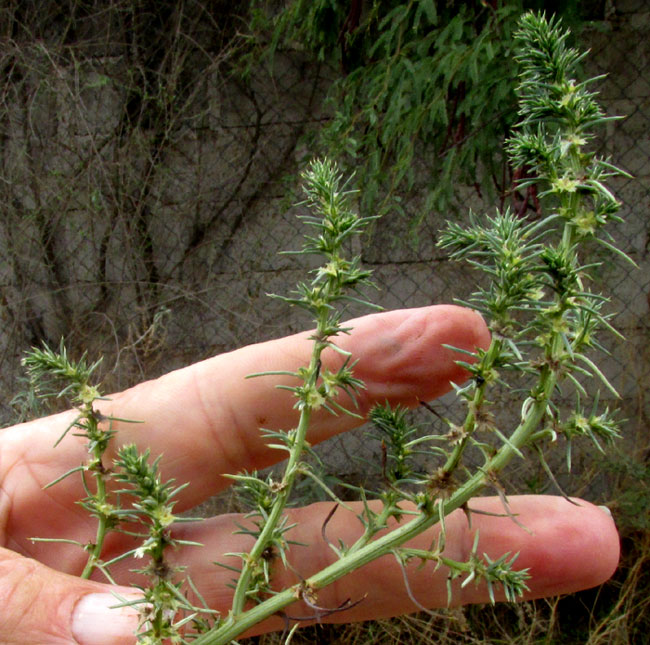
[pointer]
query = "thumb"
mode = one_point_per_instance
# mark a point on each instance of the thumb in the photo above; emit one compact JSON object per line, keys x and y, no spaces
{"x":40,"y":605}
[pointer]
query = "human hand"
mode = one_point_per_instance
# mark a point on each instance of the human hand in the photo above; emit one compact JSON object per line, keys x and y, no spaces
{"x":205,"y":421}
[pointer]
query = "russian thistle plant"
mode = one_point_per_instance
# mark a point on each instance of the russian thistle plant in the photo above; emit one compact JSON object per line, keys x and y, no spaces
{"x":544,"y":319}
{"x":55,"y":374}
{"x":164,"y":609}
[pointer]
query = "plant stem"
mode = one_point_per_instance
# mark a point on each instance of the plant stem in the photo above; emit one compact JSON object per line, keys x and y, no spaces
{"x":98,"y":500}
{"x":469,"y":426}
{"x":383,"y":545}
{"x":102,"y":523}
{"x":271,"y":523}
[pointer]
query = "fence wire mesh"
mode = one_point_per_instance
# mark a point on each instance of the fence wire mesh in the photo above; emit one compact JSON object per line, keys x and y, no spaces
{"x":145,"y":224}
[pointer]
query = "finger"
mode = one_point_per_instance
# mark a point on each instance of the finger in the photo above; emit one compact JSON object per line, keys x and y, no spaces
{"x":565,"y":548}
{"x":40,"y":606}
{"x":205,"y":419}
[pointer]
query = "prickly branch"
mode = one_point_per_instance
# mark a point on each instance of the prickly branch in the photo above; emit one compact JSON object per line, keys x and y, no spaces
{"x":544,"y":321}
{"x":163,"y":608}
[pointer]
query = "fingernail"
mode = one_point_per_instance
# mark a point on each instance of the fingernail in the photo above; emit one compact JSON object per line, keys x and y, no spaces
{"x":605,"y":510}
{"x":96,"y":620}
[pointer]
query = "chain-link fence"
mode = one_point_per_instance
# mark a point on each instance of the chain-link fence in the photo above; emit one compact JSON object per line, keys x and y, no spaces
{"x":144,"y":222}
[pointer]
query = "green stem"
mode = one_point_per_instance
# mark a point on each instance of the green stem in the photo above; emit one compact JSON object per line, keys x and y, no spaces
{"x":470,"y":420}
{"x":372,"y":528}
{"x":386,"y":543}
{"x":266,"y":534}
{"x":366,"y":551}
{"x":102,"y":525}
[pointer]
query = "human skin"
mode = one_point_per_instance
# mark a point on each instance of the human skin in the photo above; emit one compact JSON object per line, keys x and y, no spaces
{"x":205,"y":420}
